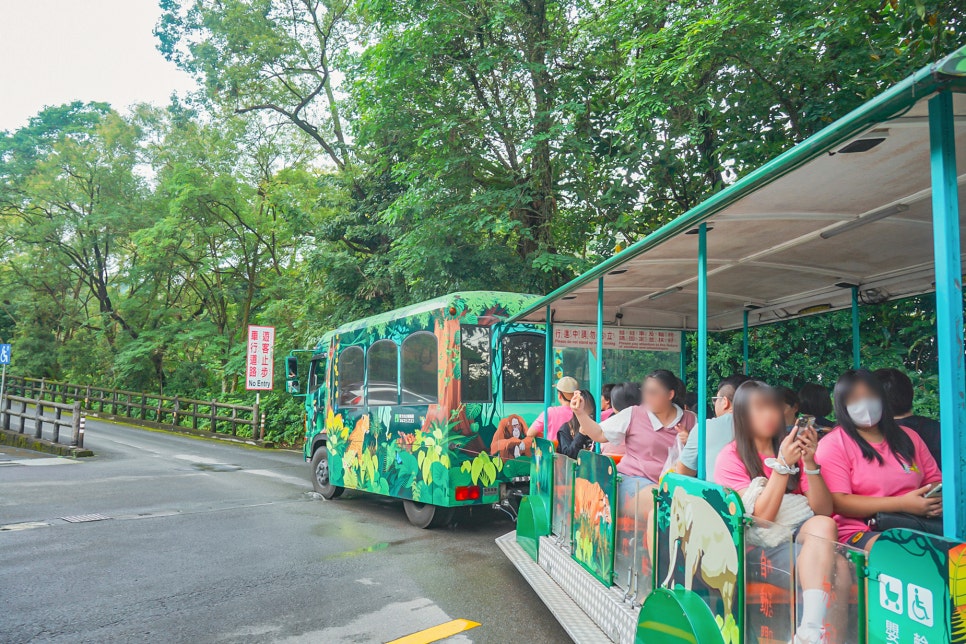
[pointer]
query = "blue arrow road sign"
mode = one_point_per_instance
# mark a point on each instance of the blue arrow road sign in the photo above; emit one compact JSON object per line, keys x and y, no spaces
{"x":4,"y":354}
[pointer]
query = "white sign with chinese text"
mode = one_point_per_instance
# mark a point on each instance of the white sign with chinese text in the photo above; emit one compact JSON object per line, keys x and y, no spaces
{"x":625,"y":338}
{"x":260,"y":365}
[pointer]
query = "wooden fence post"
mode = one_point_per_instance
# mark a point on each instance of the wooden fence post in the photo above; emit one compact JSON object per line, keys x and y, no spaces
{"x":214,"y":416}
{"x":23,"y":414}
{"x":39,"y":417}
{"x":6,"y":414}
{"x":87,"y":398}
{"x":58,"y":415}
{"x":194,"y":415}
{"x":175,"y":415}
{"x":75,"y":424}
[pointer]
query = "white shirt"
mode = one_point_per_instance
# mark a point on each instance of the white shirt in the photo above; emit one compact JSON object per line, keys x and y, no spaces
{"x":718,"y":432}
{"x":615,"y":427}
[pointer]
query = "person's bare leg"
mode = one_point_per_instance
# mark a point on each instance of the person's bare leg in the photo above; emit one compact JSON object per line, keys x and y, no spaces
{"x":815,"y":570}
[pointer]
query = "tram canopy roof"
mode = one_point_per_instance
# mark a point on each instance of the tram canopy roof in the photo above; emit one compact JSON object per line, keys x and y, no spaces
{"x":848,"y":206}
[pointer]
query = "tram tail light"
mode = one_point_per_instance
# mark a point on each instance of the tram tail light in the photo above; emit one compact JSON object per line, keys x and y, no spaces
{"x":467,"y":493}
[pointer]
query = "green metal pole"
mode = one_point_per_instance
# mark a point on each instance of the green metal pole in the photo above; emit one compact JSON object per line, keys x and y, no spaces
{"x":548,"y":367}
{"x":702,"y":346}
{"x":683,"y":367}
{"x":949,"y":312}
{"x":600,"y":344}
{"x":744,"y":341}
{"x":856,"y":337}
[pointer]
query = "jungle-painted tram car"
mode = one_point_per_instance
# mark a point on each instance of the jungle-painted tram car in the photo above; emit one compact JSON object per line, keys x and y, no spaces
{"x":429,"y":404}
{"x":868,"y":210}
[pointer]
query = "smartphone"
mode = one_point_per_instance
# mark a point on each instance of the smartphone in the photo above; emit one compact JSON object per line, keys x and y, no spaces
{"x":936,"y":491}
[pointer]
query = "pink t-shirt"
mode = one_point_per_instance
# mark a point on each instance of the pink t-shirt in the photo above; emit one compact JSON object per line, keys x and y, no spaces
{"x":559,"y":416}
{"x":646,"y":449}
{"x":846,"y":472}
{"x":729,"y":470}
{"x":607,"y":413}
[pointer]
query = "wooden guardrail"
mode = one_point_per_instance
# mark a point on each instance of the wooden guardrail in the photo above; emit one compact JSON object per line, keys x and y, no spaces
{"x":153,"y":410}
{"x":41,"y":420}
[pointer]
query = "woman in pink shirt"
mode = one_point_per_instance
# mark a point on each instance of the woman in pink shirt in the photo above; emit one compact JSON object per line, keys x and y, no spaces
{"x":777,"y":477}
{"x":872,"y":464}
{"x":647,"y":432}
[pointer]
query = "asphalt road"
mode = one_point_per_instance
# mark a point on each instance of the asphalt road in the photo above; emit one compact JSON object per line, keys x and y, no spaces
{"x":205,"y":541}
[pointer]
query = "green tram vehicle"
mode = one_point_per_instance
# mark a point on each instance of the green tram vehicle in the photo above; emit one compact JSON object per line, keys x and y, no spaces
{"x":406,"y":404}
{"x":868,"y":210}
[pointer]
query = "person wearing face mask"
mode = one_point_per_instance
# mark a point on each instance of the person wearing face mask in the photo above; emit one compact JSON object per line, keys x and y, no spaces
{"x":871,"y":464}
{"x":779,"y":481}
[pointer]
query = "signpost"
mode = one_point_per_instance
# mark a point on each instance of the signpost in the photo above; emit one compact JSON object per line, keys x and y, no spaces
{"x":260,"y":365}
{"x":625,"y":338}
{"x":4,"y":360}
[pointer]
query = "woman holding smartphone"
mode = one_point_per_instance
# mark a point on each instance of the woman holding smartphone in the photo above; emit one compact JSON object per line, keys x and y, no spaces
{"x":779,"y":481}
{"x":873,"y":465}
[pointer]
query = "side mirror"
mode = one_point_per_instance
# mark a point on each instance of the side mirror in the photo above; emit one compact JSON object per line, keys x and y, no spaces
{"x":292,"y":374}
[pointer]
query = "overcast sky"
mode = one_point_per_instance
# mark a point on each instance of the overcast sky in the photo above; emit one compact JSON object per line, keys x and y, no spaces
{"x":56,"y":51}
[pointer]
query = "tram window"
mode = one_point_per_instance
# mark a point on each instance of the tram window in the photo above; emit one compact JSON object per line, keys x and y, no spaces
{"x":351,"y":377}
{"x":523,"y":367}
{"x":316,"y":374}
{"x":475,"y":363}
{"x":420,"y":363}
{"x":383,"y":371}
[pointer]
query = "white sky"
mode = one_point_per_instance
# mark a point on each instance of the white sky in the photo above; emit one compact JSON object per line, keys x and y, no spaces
{"x":56,"y":51}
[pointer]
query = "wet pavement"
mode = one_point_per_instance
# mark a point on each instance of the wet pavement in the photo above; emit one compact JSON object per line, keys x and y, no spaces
{"x":168,"y":538}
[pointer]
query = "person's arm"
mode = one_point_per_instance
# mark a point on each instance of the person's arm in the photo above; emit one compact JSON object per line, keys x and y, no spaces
{"x":770,"y":499}
{"x":536,"y":429}
{"x":588,"y":426}
{"x":816,"y":490}
{"x":915,"y":502}
{"x":688,"y":462}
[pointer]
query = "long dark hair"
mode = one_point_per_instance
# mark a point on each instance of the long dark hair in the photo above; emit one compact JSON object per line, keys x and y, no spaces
{"x":670,"y":382}
{"x":745,"y":438}
{"x":573,"y":423}
{"x":895,"y":437}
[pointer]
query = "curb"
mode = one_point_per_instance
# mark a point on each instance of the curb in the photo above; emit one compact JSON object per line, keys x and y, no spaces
{"x":25,"y":441}
{"x":186,"y":431}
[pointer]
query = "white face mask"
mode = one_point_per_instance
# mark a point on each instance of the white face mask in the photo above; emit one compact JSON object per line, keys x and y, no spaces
{"x":866,"y":412}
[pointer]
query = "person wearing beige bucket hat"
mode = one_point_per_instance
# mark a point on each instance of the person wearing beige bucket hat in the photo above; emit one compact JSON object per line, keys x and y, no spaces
{"x":558,"y":415}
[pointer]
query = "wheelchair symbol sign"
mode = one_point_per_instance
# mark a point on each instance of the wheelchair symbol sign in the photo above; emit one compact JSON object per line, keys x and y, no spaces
{"x":4,"y":354}
{"x":919,"y":604}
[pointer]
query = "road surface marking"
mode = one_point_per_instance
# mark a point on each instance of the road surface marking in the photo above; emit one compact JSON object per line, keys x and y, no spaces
{"x":26,"y":525}
{"x":36,"y":462}
{"x":437,"y":633}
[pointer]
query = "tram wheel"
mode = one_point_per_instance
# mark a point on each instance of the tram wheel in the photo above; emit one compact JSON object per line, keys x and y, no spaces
{"x":320,"y":475}
{"x":425,"y":515}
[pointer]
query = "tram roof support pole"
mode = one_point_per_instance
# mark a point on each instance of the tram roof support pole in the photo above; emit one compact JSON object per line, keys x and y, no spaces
{"x":856,"y":335}
{"x":702,"y":346}
{"x":949,"y":311}
{"x":744,"y":341}
{"x":548,"y":368}
{"x":600,"y":344}
{"x":683,"y":367}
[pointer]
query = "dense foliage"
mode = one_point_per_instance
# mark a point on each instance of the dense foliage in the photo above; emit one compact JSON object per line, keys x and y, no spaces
{"x":345,"y":157}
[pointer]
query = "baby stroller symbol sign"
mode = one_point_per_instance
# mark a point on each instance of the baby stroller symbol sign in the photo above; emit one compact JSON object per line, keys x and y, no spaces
{"x":919,"y":604}
{"x":890,"y":593}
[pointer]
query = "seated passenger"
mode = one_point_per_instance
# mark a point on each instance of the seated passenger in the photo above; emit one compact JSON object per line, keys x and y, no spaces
{"x":790,"y":406}
{"x":778,"y":480}
{"x":559,"y":414}
{"x":815,"y":400}
{"x":624,"y":395}
{"x":606,"y":410}
{"x":510,"y":440}
{"x":719,"y":431}
{"x":872,"y":464}
{"x":899,"y":394}
{"x":647,"y":430}
{"x":570,"y":440}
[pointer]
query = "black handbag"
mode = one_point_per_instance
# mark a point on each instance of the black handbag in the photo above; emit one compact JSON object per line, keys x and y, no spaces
{"x":887,"y":520}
